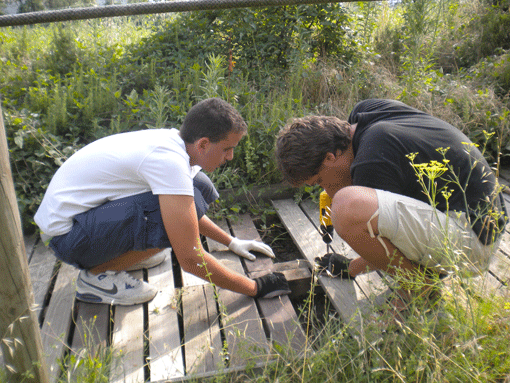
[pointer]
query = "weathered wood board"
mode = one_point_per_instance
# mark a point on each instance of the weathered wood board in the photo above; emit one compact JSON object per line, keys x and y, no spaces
{"x":166,"y":356}
{"x":128,"y":340}
{"x":345,"y":295}
{"x":58,"y":318}
{"x":192,"y":330}
{"x":245,"y":340}
{"x":279,"y":314}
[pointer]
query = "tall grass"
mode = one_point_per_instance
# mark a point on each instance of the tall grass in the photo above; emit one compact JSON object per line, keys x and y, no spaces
{"x":458,"y":338}
{"x":63,"y":87}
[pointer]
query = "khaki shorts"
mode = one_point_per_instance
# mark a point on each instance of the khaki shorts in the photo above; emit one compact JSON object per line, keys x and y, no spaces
{"x":427,"y":236}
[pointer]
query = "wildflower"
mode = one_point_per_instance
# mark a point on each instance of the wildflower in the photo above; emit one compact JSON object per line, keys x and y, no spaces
{"x":443,"y":150}
{"x":470,"y":144}
{"x":488,"y":135}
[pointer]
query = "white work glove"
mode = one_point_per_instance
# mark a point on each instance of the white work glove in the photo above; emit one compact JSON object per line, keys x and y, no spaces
{"x":242,"y":247}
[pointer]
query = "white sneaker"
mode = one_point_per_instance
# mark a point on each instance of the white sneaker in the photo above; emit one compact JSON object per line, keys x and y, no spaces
{"x":113,"y":288}
{"x":153,"y":261}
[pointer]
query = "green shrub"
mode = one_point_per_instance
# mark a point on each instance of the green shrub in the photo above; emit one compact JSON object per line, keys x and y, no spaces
{"x":484,"y":35}
{"x":114,"y":75}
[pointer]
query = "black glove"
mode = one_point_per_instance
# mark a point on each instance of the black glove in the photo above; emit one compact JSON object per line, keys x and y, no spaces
{"x":272,"y":285}
{"x":336,"y":265}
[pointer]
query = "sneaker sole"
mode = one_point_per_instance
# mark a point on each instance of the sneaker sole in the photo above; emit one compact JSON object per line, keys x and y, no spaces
{"x":92,"y":298}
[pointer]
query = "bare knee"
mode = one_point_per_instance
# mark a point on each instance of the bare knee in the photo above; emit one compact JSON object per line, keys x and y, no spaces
{"x":352,"y":207}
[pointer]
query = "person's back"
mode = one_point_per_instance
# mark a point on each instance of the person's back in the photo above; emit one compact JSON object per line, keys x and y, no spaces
{"x":112,"y":168}
{"x":388,"y":132}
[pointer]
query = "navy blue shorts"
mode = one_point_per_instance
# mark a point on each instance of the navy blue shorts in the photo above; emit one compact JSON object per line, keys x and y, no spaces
{"x":116,"y":227}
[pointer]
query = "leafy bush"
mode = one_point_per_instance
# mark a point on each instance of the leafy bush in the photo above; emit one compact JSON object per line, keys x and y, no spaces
{"x":482,"y":36}
{"x":70,"y":86}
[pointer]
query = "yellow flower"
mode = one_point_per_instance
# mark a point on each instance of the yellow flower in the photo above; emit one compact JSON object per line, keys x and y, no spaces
{"x":432,"y":169}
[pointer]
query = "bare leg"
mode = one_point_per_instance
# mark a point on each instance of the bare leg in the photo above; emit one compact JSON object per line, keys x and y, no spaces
{"x":124,"y":261}
{"x":359,"y":266}
{"x":353,"y":210}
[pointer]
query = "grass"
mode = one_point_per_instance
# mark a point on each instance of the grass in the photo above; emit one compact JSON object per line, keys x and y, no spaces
{"x":456,"y":338}
{"x":67,"y":86}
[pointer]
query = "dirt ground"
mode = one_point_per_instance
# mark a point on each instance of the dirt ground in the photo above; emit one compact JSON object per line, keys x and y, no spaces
{"x":275,"y":235}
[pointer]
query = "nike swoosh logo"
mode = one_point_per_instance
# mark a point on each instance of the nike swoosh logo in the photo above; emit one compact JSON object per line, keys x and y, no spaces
{"x":112,"y":291}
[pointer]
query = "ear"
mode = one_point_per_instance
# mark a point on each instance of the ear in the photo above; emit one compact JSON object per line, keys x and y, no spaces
{"x":331,"y":158}
{"x":202,"y":144}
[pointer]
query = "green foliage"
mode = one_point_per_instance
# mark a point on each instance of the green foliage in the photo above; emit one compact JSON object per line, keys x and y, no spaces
{"x":255,"y":38}
{"x":64,"y":87}
{"x":31,"y":6}
{"x":63,"y":55}
{"x":69,"y":86}
{"x":94,"y":363}
{"x":483,"y":35}
{"x":35,"y":156}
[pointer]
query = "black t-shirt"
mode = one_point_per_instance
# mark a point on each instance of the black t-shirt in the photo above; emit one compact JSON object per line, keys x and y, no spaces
{"x":388,"y":130}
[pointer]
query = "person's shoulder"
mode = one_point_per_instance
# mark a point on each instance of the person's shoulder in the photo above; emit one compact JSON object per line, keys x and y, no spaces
{"x":376,"y":104}
{"x":369,"y":106}
{"x":158,"y":137}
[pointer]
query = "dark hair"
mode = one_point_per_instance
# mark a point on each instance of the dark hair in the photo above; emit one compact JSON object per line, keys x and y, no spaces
{"x":302,"y":145}
{"x":213,"y":118}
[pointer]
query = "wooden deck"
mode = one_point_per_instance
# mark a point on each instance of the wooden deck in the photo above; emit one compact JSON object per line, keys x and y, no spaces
{"x":193,"y":330}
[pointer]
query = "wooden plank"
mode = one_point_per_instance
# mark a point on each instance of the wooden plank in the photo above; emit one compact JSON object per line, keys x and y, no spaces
{"x":41,"y":268}
{"x":487,"y":286}
{"x":484,"y":286}
{"x":90,"y":338}
{"x":128,"y":341}
{"x":347,"y":298}
{"x":91,"y":329}
{"x":500,"y":263}
{"x":505,"y":175}
{"x":279,"y":315}
{"x":297,"y":274}
{"x":165,"y":352}
{"x":372,"y":285}
{"x":58,"y":318}
{"x":202,"y":339}
{"x":242,"y":326}
{"x":500,"y":266}
{"x":228,"y":374}
{"x":189,"y":279}
{"x":506,"y":197}
{"x":17,"y":320}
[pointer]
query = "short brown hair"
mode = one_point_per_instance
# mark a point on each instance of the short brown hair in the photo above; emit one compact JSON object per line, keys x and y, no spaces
{"x":213,"y":118}
{"x":302,"y":145}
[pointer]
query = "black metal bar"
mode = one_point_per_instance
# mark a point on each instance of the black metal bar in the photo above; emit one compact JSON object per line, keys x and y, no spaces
{"x":143,"y":8}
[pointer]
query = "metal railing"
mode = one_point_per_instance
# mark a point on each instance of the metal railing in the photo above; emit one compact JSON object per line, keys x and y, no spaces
{"x":142,"y":9}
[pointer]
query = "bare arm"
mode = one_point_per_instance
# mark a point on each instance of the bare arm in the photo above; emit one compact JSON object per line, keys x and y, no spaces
{"x":181,"y":225}
{"x":213,"y":231}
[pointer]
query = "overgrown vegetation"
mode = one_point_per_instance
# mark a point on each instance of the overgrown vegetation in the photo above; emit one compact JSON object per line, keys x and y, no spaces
{"x":64,"y":85}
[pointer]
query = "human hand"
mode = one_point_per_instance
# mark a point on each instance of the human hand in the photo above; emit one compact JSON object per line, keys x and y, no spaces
{"x":242,"y":247}
{"x":335,"y":265}
{"x":272,"y":285}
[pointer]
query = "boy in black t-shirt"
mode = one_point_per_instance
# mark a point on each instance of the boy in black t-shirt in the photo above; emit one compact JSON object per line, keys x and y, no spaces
{"x":409,"y":190}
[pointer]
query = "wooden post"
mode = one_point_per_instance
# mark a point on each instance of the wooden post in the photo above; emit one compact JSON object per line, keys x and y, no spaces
{"x":19,"y":329}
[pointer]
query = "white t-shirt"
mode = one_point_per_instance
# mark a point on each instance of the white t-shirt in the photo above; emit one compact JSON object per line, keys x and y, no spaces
{"x":115,"y":167}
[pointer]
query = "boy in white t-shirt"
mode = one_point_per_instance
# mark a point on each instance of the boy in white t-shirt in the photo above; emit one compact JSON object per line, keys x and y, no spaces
{"x":117,"y":202}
